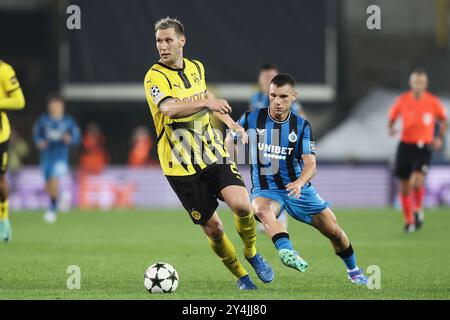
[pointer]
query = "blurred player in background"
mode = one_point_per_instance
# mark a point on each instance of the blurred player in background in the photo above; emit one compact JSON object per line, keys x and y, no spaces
{"x":141,"y":147}
{"x":282,"y":156}
{"x":261,"y":100}
{"x":94,"y":157}
{"x":11,"y":98}
{"x":192,"y":154}
{"x":419,"y":111}
{"x":53,"y":133}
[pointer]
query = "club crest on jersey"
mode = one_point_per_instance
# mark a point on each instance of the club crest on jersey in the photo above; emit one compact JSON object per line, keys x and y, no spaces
{"x":196,"y":78}
{"x":292,"y":137}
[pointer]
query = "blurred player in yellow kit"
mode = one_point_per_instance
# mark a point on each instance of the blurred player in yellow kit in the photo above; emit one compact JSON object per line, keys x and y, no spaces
{"x":11,"y":98}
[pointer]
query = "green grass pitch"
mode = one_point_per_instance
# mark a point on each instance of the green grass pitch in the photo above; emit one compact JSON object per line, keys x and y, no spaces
{"x":113,"y":249}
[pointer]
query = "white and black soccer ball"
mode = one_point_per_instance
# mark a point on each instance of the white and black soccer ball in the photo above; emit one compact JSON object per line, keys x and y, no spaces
{"x":161,"y":277}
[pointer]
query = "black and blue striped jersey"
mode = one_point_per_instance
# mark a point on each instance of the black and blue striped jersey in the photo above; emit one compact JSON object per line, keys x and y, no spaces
{"x":275,"y":148}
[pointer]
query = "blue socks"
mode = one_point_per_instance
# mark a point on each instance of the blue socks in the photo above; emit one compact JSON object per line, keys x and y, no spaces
{"x":348,"y":256}
{"x":53,"y":205}
{"x":281,"y":241}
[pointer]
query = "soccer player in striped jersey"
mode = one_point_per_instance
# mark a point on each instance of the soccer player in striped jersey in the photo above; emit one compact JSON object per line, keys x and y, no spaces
{"x":11,"y":98}
{"x":282,"y":157}
{"x":192,"y":154}
{"x":53,"y":133}
{"x":261,"y":100}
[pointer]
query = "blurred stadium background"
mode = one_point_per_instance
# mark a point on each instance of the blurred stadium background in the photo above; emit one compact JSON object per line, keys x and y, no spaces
{"x":347,"y":75}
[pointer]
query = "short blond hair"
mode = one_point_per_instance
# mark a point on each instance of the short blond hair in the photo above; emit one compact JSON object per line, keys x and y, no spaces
{"x":167,"y":23}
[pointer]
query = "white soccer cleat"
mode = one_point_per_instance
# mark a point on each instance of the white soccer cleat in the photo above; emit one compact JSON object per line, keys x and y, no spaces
{"x":50,"y":217}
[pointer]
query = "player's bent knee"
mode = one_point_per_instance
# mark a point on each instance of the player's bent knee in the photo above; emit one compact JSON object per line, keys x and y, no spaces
{"x":242,"y":210}
{"x":215,"y":234}
{"x":240,"y":206}
{"x":214,"y":230}
{"x":264,"y":213}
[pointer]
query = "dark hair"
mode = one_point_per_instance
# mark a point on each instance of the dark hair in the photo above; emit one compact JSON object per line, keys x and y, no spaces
{"x":282,"y":79}
{"x":52,"y":96}
{"x":268,"y":66}
{"x":167,"y":23}
{"x":419,"y":71}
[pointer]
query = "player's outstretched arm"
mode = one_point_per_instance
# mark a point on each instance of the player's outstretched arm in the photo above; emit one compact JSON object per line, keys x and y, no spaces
{"x":178,"y":109}
{"x":394,"y":112}
{"x":308,"y":172}
{"x":231,"y":147}
{"x":439,"y":139}
{"x":391,"y":128}
{"x":231,"y":140}
{"x":442,"y":120}
{"x":227,"y":120}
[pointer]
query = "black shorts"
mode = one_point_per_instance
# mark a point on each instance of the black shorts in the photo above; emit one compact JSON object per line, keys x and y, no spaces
{"x":4,"y":157}
{"x":410,"y":157}
{"x":199,"y":192}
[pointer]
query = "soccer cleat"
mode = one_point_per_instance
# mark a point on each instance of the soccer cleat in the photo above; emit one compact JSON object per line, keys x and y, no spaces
{"x":409,"y":227}
{"x":5,"y":231}
{"x":245,"y":283}
{"x":357,"y":277}
{"x":262,"y":268}
{"x":50,"y":217}
{"x":419,"y":216}
{"x":291,"y":259}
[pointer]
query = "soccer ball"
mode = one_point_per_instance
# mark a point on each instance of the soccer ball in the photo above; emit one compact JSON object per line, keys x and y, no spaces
{"x":161,"y":277}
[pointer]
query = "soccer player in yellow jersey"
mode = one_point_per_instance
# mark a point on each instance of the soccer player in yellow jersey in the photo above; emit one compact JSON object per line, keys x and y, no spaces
{"x":11,"y":98}
{"x":192,"y":154}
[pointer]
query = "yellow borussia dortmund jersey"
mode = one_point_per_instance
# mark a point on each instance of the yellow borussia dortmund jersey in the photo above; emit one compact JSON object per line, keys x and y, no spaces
{"x":11,"y":98}
{"x":185,"y":145}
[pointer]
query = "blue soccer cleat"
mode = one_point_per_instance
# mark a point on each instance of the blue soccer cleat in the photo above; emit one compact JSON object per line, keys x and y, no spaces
{"x":291,"y":259}
{"x":245,"y":283}
{"x":262,"y":268}
{"x":358,"y":277}
{"x":5,"y":231}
